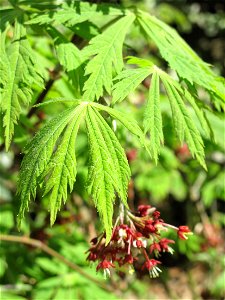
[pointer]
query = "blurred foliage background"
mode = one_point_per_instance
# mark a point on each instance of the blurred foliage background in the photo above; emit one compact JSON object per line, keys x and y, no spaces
{"x":177,"y":186}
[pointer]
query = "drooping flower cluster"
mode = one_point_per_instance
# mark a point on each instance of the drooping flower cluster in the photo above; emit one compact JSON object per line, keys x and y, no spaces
{"x":139,"y":238}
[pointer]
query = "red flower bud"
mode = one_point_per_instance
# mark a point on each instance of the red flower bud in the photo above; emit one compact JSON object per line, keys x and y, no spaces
{"x":94,"y":241}
{"x":92,"y":256}
{"x":150,"y":226}
{"x":143,"y":210}
{"x":183,"y":231}
{"x":156,"y":214}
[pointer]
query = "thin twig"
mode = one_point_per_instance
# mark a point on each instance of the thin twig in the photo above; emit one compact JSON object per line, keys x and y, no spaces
{"x":41,"y":97}
{"x":52,"y":252}
{"x":48,"y":85}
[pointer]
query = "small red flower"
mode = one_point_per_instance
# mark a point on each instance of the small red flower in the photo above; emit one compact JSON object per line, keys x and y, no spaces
{"x":155,"y":247}
{"x":105,"y":264}
{"x":183,"y":231}
{"x":150,"y":264}
{"x":164,"y":243}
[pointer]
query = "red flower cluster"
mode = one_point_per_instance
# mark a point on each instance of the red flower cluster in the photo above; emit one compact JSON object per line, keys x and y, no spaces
{"x":128,"y":242}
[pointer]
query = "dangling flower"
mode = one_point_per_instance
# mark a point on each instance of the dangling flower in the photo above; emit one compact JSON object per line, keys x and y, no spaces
{"x":156,"y":248}
{"x":164,"y":244}
{"x":151,"y":266}
{"x":105,"y":265}
{"x":150,"y":263}
{"x":183,"y":232}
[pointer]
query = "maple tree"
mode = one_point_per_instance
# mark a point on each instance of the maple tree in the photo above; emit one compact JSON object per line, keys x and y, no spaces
{"x":101,"y":78}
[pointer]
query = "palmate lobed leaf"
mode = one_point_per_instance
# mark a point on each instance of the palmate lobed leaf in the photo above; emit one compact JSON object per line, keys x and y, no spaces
{"x":51,"y":161}
{"x":177,"y":94}
{"x":107,"y":51}
{"x":179,"y":54}
{"x":19,"y":71}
